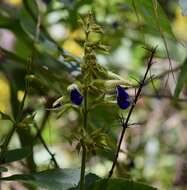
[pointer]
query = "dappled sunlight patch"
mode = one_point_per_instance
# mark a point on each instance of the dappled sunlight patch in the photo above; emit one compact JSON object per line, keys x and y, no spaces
{"x":14,"y":2}
{"x":73,"y":47}
{"x":4,"y":94}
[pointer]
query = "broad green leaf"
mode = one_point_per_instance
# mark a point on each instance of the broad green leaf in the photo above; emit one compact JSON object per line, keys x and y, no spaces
{"x":28,"y":17}
{"x":119,"y":184}
{"x":182,"y":79}
{"x":90,"y":178}
{"x":183,"y":5}
{"x":16,"y":154}
{"x":56,"y":179}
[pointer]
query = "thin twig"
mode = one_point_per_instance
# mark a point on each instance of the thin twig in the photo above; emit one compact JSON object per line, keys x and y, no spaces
{"x":125,"y":124}
{"x":45,"y":146}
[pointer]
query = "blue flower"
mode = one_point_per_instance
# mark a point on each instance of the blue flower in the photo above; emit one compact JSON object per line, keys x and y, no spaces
{"x":76,"y":97}
{"x":123,"y":99}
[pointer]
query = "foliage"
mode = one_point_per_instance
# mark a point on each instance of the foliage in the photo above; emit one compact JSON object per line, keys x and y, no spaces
{"x":108,"y":60}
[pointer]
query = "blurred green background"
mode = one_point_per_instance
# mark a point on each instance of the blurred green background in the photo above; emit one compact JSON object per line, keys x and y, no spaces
{"x":154,"y":148}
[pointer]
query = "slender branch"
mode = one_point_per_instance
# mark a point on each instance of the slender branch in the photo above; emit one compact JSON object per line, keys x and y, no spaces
{"x":45,"y":146}
{"x":125,"y":124}
{"x":163,"y":74}
{"x":6,"y":142}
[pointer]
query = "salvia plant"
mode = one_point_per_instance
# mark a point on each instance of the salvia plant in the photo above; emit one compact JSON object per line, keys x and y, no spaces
{"x":96,"y":86}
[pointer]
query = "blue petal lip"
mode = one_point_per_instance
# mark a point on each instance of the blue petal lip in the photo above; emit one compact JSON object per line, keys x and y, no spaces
{"x":76,"y":97}
{"x":123,"y":99}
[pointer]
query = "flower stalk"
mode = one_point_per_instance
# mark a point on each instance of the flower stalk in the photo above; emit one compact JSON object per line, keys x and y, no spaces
{"x":83,"y":161}
{"x":125,"y":123}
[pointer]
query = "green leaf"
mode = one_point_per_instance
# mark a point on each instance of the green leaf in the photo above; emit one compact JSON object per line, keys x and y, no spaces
{"x":182,"y":78}
{"x":90,"y":178}
{"x":28,"y":17}
{"x":119,"y":184}
{"x":2,"y":169}
{"x":16,"y":154}
{"x":56,"y":179}
{"x":4,"y":116}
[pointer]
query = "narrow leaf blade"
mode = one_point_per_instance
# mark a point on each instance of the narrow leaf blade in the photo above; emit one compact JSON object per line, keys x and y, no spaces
{"x":182,"y":78}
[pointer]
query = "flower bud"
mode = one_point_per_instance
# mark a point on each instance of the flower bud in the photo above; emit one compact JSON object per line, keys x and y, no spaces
{"x":58,"y":103}
{"x":111,"y":84}
{"x":114,"y":76}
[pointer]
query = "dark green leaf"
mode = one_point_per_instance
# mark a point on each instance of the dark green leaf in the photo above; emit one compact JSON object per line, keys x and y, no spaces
{"x":28,"y":17}
{"x":89,"y":180}
{"x":16,"y":154}
{"x":119,"y":184}
{"x":2,"y":169}
{"x":57,"y":179}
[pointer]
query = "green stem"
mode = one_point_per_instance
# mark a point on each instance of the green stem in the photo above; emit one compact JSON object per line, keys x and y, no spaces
{"x":9,"y":136}
{"x":83,"y":162}
{"x":83,"y":166}
{"x":85,"y":113}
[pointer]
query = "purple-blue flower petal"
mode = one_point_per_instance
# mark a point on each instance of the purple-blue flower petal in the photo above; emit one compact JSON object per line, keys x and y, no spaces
{"x":123,"y":99}
{"x":76,"y":97}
